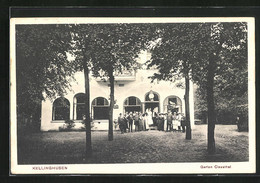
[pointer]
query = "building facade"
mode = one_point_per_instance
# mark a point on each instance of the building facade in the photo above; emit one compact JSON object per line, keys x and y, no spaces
{"x":133,"y":92}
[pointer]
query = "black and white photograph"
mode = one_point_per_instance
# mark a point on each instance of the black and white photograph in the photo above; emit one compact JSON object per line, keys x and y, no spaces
{"x":132,"y":95}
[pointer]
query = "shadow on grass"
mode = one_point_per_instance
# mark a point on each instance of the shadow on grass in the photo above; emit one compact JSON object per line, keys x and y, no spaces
{"x":138,"y":147}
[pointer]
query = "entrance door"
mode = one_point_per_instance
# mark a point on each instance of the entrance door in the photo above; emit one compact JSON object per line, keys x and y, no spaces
{"x":152,"y":102}
{"x":154,"y":106}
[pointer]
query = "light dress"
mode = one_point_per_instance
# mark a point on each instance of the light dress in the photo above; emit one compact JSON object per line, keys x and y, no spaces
{"x":149,"y":117}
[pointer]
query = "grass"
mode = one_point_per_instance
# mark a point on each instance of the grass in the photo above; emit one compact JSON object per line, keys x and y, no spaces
{"x":137,"y":147}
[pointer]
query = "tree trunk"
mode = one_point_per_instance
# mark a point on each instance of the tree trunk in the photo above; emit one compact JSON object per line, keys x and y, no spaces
{"x":87,"y":113}
{"x":211,"y":108}
{"x":111,"y":107}
{"x":187,"y":107}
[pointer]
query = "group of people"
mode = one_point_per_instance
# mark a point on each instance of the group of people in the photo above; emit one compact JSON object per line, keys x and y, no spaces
{"x":175,"y":122}
{"x":145,"y":121}
{"x":127,"y":121}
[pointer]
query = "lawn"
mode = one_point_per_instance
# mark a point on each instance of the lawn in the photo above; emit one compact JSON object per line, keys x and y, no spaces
{"x":137,"y":147}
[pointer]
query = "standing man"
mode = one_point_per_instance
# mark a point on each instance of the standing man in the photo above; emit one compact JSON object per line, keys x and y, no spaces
{"x":141,"y":122}
{"x":179,"y":117}
{"x":136,"y":121}
{"x":125,"y":123}
{"x":169,"y":118}
{"x":161,"y":122}
{"x":183,"y":122}
{"x":130,"y":121}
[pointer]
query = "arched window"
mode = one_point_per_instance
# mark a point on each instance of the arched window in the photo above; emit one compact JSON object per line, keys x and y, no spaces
{"x":132,"y":104}
{"x":151,"y":96}
{"x":100,"y":107}
{"x":172,"y":103}
{"x":79,"y":106}
{"x":61,"y":109}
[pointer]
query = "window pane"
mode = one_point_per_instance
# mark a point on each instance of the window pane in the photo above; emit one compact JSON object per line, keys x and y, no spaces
{"x":106,"y":101}
{"x":62,"y":113}
{"x":132,"y":100}
{"x":138,"y":102}
{"x":147,"y":97}
{"x":156,"y":97}
{"x":61,"y":109}
{"x":133,"y":109}
{"x":172,"y":100}
{"x":100,"y":101}
{"x":100,"y":113}
{"x":80,"y":111}
{"x":80,"y":98}
{"x":62,"y":102}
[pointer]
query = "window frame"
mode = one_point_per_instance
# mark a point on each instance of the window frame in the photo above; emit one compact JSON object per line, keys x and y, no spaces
{"x":54,"y":109}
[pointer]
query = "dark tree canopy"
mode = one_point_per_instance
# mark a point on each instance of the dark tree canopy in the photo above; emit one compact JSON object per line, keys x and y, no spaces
{"x":229,"y":46}
{"x":43,"y":68}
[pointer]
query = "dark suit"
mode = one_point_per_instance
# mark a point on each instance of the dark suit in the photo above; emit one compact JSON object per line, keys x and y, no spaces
{"x":169,"y":122}
{"x":121,"y":124}
{"x":130,"y":121}
{"x":183,"y":124}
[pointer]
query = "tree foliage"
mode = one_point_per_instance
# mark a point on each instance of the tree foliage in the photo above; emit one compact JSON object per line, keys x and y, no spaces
{"x":116,"y":48}
{"x":108,"y":49}
{"x":173,"y":55}
{"x":229,"y":47}
{"x":43,"y":68}
{"x":213,"y":55}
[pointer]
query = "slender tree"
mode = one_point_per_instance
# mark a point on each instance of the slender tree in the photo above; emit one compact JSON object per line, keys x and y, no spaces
{"x":116,"y":49}
{"x":82,"y":37}
{"x":221,"y":48}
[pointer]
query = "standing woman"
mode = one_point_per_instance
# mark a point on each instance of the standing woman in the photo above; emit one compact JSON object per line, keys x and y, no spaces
{"x":149,"y":117}
{"x":179,"y":121}
{"x":175,"y":122}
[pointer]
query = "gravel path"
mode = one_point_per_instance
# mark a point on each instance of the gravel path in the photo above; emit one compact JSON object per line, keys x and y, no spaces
{"x":137,"y":147}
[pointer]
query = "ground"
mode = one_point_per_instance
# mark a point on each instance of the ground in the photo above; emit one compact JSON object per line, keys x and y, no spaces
{"x":137,"y":147}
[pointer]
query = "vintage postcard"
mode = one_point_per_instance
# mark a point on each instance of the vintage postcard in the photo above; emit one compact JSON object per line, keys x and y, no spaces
{"x":132,"y":95}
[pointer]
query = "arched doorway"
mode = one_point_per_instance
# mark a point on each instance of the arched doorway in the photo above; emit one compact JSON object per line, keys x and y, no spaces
{"x":100,"y":108}
{"x":172,"y":103}
{"x":152,"y":102}
{"x":132,"y":104}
